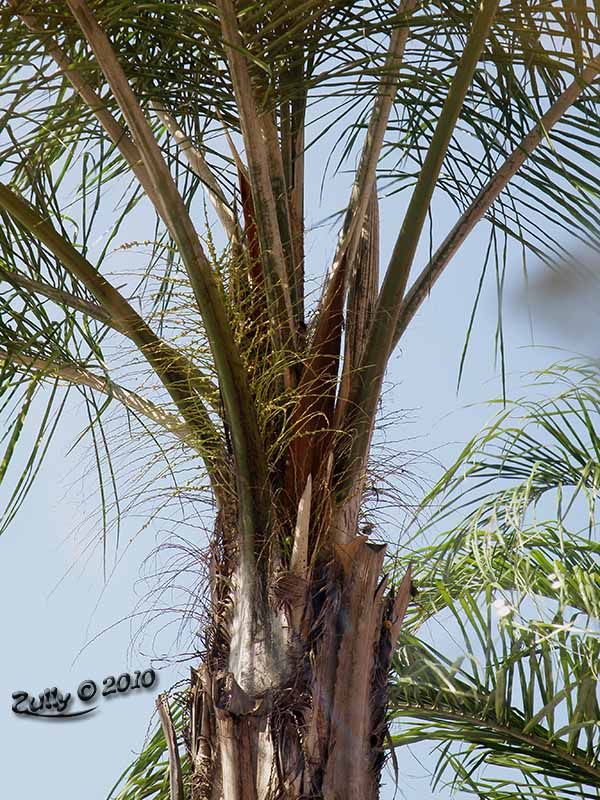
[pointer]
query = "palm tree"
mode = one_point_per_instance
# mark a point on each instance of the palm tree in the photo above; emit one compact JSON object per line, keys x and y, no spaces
{"x":515,"y":707}
{"x":277,"y":399}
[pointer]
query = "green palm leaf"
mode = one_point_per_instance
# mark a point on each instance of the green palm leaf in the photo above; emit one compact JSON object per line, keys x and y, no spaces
{"x":516,"y":581}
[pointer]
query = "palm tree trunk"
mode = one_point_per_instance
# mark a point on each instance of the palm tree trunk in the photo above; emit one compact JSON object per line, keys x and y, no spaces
{"x":312,"y":723}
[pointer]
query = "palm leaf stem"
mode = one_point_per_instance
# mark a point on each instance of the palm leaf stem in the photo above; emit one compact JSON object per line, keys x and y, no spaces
{"x":239,"y":406}
{"x":170,"y":366}
{"x":113,"y":129}
{"x":488,"y":195}
{"x":74,"y":374}
{"x":367,"y":380}
{"x":200,"y":167}
{"x":365,"y":175}
{"x":60,"y":296}
{"x":260,"y":163}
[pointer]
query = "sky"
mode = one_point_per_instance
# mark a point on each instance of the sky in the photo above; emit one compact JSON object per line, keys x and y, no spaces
{"x":61,"y":624}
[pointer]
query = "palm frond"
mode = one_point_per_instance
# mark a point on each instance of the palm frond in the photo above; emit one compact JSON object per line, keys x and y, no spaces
{"x":148,"y":775}
{"x":515,"y":580}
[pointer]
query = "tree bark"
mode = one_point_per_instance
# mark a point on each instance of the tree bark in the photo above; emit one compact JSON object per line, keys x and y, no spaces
{"x":315,"y":726}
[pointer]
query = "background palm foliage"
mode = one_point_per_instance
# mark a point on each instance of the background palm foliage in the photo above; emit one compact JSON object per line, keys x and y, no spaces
{"x":515,"y":581}
{"x":148,"y":775}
